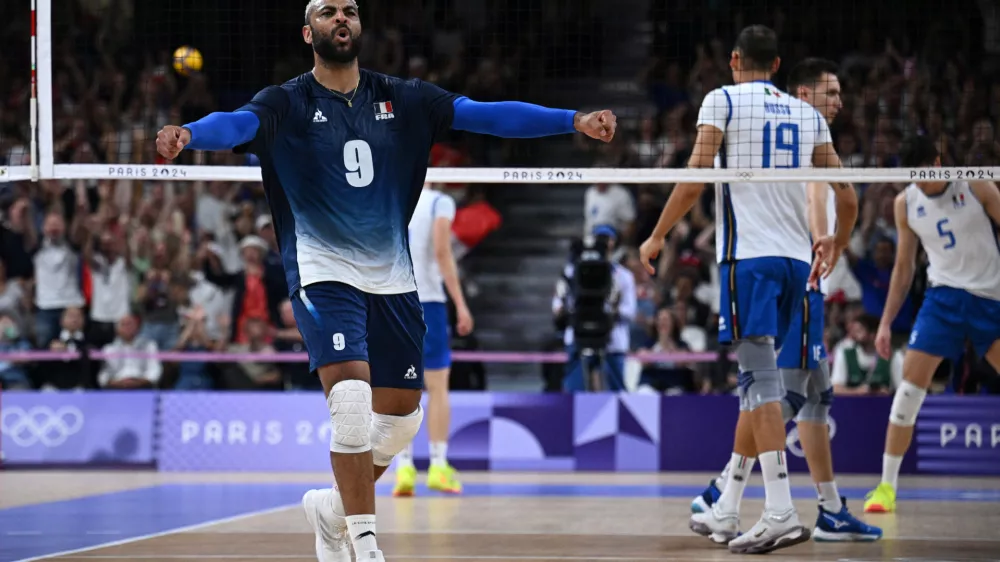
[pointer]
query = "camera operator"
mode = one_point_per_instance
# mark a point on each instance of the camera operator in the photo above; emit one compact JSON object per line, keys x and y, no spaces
{"x":595,"y":302}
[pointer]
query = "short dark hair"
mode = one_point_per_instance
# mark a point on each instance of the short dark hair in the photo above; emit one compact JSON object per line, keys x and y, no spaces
{"x":809,"y":71}
{"x":918,"y":151}
{"x":758,"y":45}
{"x":311,"y":8}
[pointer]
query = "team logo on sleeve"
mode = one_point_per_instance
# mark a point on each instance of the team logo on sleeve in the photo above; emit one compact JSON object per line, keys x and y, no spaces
{"x":383,"y":111}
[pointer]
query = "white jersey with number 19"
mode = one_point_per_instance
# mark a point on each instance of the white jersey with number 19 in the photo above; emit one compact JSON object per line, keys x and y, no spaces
{"x":763,"y":128}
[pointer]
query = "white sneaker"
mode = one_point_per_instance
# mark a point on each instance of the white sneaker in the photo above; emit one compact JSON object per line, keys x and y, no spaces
{"x":332,"y":542}
{"x":371,"y":556}
{"x":720,"y":528}
{"x":773,"y":531}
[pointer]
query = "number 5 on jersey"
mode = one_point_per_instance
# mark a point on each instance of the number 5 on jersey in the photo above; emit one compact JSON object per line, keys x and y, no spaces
{"x":945,"y":233}
{"x":359,"y":164}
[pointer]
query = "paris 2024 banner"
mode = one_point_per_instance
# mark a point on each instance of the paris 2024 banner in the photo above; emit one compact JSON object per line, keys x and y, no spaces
{"x":220,"y":431}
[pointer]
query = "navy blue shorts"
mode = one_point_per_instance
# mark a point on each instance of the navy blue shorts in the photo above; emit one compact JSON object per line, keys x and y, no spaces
{"x":948,"y":316}
{"x":437,"y":342}
{"x":342,"y":323}
{"x":804,"y":347}
{"x":759,"y":297}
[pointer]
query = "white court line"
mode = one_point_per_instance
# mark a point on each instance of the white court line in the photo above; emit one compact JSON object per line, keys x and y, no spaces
{"x":163,"y":533}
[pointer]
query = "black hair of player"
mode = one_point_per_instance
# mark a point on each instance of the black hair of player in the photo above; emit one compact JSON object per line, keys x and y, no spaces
{"x":808,"y":72}
{"x":918,"y":151}
{"x":758,"y":47}
{"x":311,"y":8}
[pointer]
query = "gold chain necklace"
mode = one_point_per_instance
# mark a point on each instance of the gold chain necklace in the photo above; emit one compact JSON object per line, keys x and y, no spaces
{"x":345,"y":98}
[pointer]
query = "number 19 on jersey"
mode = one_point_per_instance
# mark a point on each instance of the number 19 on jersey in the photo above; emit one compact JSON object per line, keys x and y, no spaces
{"x":782,"y":145}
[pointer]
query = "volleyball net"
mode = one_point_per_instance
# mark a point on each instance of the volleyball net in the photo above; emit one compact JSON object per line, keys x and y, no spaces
{"x":104,"y":78}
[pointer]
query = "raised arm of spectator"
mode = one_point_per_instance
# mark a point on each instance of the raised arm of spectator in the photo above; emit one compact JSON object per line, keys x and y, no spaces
{"x":78,"y":227}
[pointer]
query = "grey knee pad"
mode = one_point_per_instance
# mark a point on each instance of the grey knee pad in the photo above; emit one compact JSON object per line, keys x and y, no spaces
{"x":759,"y":379}
{"x":819,"y":396}
{"x":796,"y":383}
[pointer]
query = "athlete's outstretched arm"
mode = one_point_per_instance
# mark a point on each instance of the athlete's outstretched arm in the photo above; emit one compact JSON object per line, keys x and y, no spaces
{"x":902,"y":277}
{"x":989,"y":198}
{"x":255,"y":122}
{"x":684,"y":196}
{"x":514,"y":119}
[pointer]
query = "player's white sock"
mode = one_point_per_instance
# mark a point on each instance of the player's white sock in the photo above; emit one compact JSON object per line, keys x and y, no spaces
{"x":890,"y":469}
{"x":439,"y":453}
{"x":720,"y":480}
{"x":777,"y":489}
{"x":737,"y":475}
{"x":362,"y":530}
{"x":405,"y":457}
{"x":829,"y":497}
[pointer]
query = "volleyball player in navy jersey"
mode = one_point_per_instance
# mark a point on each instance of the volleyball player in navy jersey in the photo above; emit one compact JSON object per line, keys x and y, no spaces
{"x":343,"y":153}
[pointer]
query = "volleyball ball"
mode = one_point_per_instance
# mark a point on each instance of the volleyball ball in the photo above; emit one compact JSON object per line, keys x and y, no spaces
{"x":187,"y":60}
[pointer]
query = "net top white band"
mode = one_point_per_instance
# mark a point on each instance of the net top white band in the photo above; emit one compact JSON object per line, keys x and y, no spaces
{"x":152,"y":172}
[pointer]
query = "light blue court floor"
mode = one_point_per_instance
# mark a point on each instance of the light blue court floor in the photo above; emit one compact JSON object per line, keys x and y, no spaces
{"x":151,"y":516}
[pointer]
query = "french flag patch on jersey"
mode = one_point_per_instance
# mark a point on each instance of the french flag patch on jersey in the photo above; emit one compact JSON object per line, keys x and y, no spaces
{"x":383,"y":111}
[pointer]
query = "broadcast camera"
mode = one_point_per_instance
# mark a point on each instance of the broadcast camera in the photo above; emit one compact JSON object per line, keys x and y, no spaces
{"x":592,"y":286}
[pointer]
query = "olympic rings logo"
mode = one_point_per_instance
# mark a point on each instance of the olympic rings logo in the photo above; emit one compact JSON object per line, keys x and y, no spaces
{"x":41,"y":424}
{"x":744,"y":175}
{"x":792,"y":442}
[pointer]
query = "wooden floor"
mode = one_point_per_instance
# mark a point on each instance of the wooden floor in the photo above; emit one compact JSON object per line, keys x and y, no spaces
{"x":517,"y":517}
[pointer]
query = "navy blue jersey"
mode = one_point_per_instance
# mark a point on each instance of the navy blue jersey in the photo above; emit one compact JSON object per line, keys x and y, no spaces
{"x":342,"y":181}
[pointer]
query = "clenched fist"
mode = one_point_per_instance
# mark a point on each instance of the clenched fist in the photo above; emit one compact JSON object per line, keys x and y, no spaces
{"x":171,"y":140}
{"x":600,"y":125}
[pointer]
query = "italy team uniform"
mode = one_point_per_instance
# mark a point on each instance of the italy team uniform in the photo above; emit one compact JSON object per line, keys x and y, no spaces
{"x":763,"y":246}
{"x":963,"y":298}
{"x":431,"y":206}
{"x":342,"y":181}
{"x":803,"y":347}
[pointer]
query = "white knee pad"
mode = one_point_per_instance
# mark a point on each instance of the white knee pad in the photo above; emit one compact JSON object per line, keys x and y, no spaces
{"x":906,"y":404}
{"x":391,"y":434}
{"x":350,"y":405}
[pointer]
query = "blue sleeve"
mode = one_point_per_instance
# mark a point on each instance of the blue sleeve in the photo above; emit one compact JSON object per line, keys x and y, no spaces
{"x":511,"y":119}
{"x":271,"y":105}
{"x":222,"y":131}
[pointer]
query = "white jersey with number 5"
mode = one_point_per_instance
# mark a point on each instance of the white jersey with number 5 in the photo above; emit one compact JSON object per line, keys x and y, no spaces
{"x":959,"y":238}
{"x":764,"y":128}
{"x":431,"y":206}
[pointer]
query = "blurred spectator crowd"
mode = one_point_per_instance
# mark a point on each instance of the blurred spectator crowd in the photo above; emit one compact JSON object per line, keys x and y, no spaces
{"x":192,"y":266}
